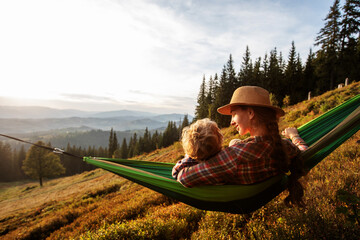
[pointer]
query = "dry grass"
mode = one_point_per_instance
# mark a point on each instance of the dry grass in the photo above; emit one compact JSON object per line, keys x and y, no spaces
{"x":28,"y":194}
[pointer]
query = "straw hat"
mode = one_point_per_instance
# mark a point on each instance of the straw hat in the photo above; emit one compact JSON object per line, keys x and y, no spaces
{"x":250,"y":96}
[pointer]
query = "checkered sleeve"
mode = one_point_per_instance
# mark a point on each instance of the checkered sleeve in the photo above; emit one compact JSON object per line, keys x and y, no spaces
{"x":185,"y":162}
{"x":216,"y":170}
{"x":234,"y":141}
{"x":299,"y":142}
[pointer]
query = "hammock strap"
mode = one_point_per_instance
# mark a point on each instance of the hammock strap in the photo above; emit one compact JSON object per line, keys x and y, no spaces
{"x":332,"y":139}
{"x":54,"y":150}
{"x":128,"y":167}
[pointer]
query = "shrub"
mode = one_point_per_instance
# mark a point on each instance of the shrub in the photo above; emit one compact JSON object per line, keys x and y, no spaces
{"x":324,"y":107}
{"x":172,"y":222}
{"x":292,"y":116}
{"x":349,"y":202}
{"x":286,"y":101}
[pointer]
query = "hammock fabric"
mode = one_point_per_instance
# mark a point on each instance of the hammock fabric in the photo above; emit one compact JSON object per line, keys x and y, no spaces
{"x":323,"y":135}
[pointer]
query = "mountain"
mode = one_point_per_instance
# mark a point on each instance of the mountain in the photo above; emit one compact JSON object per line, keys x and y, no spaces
{"x":20,"y":120}
{"x":10,"y":126}
{"x":171,"y":117}
{"x":84,"y":139}
{"x":34,"y":112}
{"x":122,"y":113}
{"x":40,"y":112}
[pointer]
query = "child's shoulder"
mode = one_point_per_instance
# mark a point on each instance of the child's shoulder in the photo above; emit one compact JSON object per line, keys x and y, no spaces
{"x":188,"y":159}
{"x":241,"y":141}
{"x":234,"y":141}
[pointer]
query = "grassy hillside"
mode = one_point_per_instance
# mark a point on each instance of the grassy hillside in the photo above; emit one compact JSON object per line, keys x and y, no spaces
{"x":101,"y":205}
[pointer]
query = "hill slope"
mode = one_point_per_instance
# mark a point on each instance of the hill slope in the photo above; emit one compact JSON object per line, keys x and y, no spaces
{"x":100,"y":205}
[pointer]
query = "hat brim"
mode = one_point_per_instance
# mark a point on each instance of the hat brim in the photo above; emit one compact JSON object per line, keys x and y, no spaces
{"x":226,"y":109}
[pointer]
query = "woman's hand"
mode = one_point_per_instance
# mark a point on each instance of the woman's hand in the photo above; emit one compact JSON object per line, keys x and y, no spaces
{"x":233,"y":142}
{"x":290,"y":132}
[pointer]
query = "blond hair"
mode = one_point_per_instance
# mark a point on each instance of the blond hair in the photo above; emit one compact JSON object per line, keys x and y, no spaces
{"x":202,"y":139}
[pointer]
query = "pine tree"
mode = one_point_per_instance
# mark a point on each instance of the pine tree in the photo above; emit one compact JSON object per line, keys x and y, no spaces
{"x":102,"y":151}
{"x":309,"y":73}
{"x":349,"y":61}
{"x":275,"y":77}
{"x":202,"y":108}
{"x":156,"y":139}
{"x":212,"y":109}
{"x":132,"y":145}
{"x":140,"y":146}
{"x":210,"y":93}
{"x":329,"y":36}
{"x":300,"y":86}
{"x":124,"y":150}
{"x":350,"y":24}
{"x":282,"y":64}
{"x":257,"y":74}
{"x":182,"y":125}
{"x":41,"y":163}
{"x":222,"y":97}
{"x":232,"y":80}
{"x":5,"y":162}
{"x":185,"y":122}
{"x":113,"y":143}
{"x":290,"y":71}
{"x":20,"y":157}
{"x":227,"y":85}
{"x":329,"y":40}
{"x":137,"y":147}
{"x":170,"y":135}
{"x":147,"y":141}
{"x":246,"y":70}
{"x":265,"y":83}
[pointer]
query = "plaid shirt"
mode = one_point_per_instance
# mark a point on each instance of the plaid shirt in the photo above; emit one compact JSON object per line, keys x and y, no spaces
{"x":246,"y":162}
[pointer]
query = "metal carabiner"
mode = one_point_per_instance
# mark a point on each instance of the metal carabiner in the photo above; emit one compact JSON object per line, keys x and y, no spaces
{"x":58,"y":151}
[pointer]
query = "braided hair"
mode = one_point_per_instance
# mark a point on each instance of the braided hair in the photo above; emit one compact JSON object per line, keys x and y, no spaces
{"x":267,"y":117}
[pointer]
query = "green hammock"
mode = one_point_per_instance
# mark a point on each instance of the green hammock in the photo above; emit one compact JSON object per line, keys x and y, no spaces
{"x":323,"y":134}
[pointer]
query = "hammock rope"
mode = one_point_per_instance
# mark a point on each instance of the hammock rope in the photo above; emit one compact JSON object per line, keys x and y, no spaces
{"x":55,"y":149}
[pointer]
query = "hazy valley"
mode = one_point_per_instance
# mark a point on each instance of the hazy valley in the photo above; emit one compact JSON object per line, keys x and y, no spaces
{"x":79,"y":128}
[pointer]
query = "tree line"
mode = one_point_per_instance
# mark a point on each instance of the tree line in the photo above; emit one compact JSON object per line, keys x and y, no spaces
{"x":39,"y":163}
{"x":12,"y":160}
{"x":148,"y":142}
{"x":289,"y":81}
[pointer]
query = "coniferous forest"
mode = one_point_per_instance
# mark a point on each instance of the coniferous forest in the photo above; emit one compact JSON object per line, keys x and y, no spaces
{"x":288,"y":78}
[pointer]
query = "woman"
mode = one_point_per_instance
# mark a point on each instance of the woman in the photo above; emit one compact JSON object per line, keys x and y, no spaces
{"x":261,"y":156}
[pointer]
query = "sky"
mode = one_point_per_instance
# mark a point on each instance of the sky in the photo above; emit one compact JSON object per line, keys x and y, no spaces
{"x":143,"y":55}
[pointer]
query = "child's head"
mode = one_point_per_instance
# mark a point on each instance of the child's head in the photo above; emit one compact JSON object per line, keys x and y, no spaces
{"x":202,"y":139}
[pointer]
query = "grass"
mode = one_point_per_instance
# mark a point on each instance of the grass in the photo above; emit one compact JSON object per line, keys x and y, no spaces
{"x":101,"y":205}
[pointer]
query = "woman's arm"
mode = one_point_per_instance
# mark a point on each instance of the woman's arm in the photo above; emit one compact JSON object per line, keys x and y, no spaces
{"x":185,"y":162}
{"x":234,"y":141}
{"x":293,"y":134}
{"x":212,"y":172}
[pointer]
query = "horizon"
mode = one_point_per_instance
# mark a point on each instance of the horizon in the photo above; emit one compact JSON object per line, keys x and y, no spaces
{"x":7,"y":108}
{"x":143,"y":55}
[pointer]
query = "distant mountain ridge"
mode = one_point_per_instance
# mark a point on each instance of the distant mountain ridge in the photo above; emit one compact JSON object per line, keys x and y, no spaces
{"x":122,"y":113}
{"x":20,"y":120}
{"x":34,"y":112}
